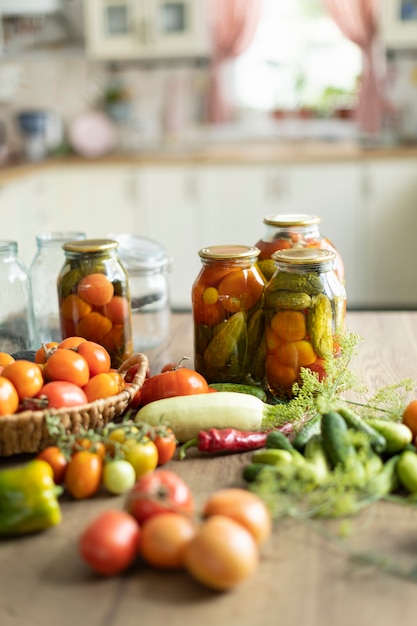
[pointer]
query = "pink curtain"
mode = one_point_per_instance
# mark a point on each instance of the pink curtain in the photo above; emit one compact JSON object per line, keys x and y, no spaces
{"x":358,"y":20}
{"x":234,"y":23}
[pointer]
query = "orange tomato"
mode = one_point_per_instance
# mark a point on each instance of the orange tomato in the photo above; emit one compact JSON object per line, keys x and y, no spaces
{"x":296,"y":354}
{"x":71,"y":342}
{"x":67,"y":365}
{"x":97,"y":357}
{"x":94,"y":326}
{"x":96,"y":289}
{"x":9,"y":398}
{"x":117,"y":309}
{"x":240,"y":290}
{"x":289,"y":325}
{"x":6,"y":359}
{"x":410,"y":417}
{"x":244,"y":507}
{"x":46,"y":349}
{"x":101,"y":385}
{"x":74,"y":308}
{"x":279,"y":375}
{"x":164,"y":539}
{"x":221,"y":554}
{"x":83,"y":475}
{"x":57,"y":460}
{"x":26,"y":377}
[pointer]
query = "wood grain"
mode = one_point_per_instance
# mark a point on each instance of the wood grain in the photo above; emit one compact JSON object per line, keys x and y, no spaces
{"x":303,"y":579}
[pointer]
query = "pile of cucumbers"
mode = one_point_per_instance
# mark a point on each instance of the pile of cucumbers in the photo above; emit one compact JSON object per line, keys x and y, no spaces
{"x":337,"y":463}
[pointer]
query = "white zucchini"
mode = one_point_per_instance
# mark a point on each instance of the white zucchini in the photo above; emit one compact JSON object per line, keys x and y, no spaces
{"x":187,"y":415}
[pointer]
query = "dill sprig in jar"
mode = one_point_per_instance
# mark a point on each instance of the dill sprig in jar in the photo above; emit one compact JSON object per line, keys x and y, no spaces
{"x":94,"y":296}
{"x":305,"y":311}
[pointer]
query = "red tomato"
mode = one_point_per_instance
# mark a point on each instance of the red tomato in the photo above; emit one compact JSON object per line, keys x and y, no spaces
{"x":83,"y":475}
{"x":59,"y":393}
{"x":65,"y":364}
{"x":97,"y":357}
{"x":178,"y":382}
{"x":158,"y":492}
{"x":57,"y":460}
{"x":110,"y":543}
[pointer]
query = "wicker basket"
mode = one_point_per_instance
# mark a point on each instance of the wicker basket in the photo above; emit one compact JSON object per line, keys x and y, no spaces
{"x":27,"y":432}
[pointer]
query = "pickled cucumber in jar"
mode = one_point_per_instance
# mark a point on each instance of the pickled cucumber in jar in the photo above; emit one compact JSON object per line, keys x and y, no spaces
{"x":227,"y":300}
{"x":304,"y":317}
{"x":94,"y":297}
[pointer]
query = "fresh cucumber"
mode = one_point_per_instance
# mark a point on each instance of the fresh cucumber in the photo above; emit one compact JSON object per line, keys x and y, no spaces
{"x":397,"y":435}
{"x":307,"y":430}
{"x":339,"y":451}
{"x":240,"y":388}
{"x":316,"y":456}
{"x":277,"y":439}
{"x":377,"y":440}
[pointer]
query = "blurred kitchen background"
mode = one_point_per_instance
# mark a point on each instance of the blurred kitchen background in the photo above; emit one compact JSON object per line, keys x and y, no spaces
{"x":188,"y":121}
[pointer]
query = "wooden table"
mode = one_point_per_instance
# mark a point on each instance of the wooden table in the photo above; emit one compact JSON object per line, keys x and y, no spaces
{"x":303,"y":579}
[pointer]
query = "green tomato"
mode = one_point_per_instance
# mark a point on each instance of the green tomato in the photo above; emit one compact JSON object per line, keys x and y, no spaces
{"x":143,"y":455}
{"x":118,"y":476}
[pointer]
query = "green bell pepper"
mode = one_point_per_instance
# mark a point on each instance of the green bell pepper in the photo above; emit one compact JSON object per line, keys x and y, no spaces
{"x":28,"y":498}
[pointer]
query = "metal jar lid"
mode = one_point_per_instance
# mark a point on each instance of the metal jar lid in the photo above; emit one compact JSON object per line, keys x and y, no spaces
{"x":291,"y":219}
{"x":225,"y":252}
{"x":90,"y":245}
{"x":305,"y":257}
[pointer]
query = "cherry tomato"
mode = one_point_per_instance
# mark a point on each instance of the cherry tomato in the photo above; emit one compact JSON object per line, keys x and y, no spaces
{"x":71,"y":342}
{"x":46,"y":349}
{"x":244,"y":507}
{"x":9,"y":398}
{"x":164,"y":539}
{"x":410,"y":417}
{"x":57,"y":460}
{"x":67,"y":365}
{"x":142,"y":455}
{"x":26,"y":377}
{"x":158,"y":492}
{"x":221,"y":554}
{"x":98,"y":447}
{"x":101,"y":386}
{"x":118,"y":476}
{"x":83,"y":475}
{"x":178,"y":382}
{"x":6,"y":359}
{"x":240,"y":290}
{"x":109,"y":544}
{"x":166,"y":444}
{"x":97,"y":357}
{"x":60,"y":393}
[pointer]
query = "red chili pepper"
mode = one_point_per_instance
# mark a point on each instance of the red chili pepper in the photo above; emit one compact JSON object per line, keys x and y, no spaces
{"x":229,"y":440}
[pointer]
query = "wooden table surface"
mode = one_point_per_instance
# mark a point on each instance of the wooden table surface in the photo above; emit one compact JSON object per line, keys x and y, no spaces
{"x":303,"y":579}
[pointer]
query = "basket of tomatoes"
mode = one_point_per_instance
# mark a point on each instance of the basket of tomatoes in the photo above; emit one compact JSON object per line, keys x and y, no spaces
{"x":72,"y":380}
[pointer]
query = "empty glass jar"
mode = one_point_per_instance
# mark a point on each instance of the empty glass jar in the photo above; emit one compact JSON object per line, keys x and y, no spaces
{"x":43,"y":273}
{"x":16,"y":311}
{"x":147,"y":266}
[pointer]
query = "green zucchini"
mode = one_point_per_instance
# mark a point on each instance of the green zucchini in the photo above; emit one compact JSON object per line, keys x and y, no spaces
{"x":377,"y":440}
{"x":397,"y":435}
{"x":307,"y":430}
{"x":252,"y":390}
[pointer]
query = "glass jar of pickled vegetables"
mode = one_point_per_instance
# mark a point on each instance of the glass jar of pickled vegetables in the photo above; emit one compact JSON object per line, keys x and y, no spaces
{"x":305,"y":310}
{"x":227,"y":302}
{"x":94,"y":296}
{"x":293,"y":230}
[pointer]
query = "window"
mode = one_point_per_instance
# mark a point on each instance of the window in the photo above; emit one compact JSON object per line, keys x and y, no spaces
{"x":298,"y":58}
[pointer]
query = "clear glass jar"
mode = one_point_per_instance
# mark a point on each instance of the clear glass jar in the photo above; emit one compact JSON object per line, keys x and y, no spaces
{"x":293,"y":230}
{"x":94,"y":296}
{"x":305,"y":311}
{"x":228,"y":316}
{"x":16,"y":312}
{"x":43,"y":272}
{"x":148,"y":267}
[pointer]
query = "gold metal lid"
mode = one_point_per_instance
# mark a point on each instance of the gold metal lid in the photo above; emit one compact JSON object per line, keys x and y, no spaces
{"x":291,"y":219}
{"x":303,"y":256}
{"x":90,"y":245}
{"x":230,"y":251}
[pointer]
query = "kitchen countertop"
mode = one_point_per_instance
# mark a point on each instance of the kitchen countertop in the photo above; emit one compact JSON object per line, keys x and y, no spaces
{"x":226,"y":153}
{"x":302,"y":580}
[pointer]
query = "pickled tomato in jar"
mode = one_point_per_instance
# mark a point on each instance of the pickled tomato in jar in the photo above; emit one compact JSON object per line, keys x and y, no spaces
{"x":228,"y":315}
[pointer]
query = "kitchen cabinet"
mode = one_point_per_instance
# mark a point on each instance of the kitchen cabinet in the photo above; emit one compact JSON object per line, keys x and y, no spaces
{"x":147,"y":29}
{"x":390,"y":221}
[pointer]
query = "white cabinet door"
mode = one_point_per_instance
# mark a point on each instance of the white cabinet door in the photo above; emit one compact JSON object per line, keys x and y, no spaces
{"x":334,"y":192}
{"x":172,"y":195}
{"x":391,"y":213}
